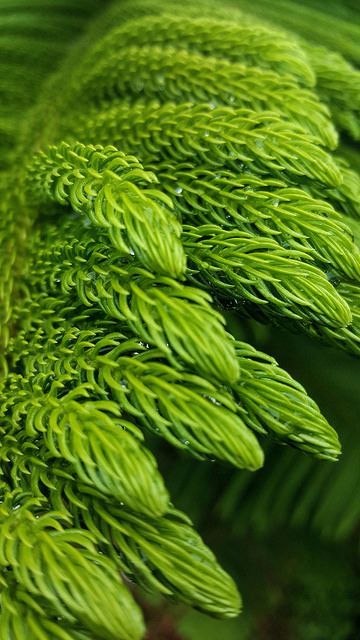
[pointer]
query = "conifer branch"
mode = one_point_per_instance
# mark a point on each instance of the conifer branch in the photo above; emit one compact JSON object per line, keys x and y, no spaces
{"x":224,"y":136}
{"x":177,"y":75}
{"x":110,"y":323}
{"x":62,"y":568}
{"x":111,"y":190}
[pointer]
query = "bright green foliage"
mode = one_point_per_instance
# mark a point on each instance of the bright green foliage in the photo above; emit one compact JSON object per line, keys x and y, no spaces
{"x":319,"y":497}
{"x":347,"y":338}
{"x":160,"y":310}
{"x":166,"y":555}
{"x":256,"y":270}
{"x":218,"y":137}
{"x":22,"y":617}
{"x":109,"y":188}
{"x":156,"y":71}
{"x":339,"y":87}
{"x":174,"y":166}
{"x":265,"y":207}
{"x":272,"y":401}
{"x":250,"y":44}
{"x":62,"y":569}
{"x":186,"y":409}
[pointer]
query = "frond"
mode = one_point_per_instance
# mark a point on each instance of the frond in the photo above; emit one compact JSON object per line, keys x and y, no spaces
{"x":161,"y":311}
{"x":177,"y":75}
{"x":173,"y":167}
{"x":254,"y":269}
{"x":62,"y":568}
{"x":253,"y":45}
{"x":218,"y":137}
{"x":111,"y":189}
{"x":164,"y":555}
{"x":273,"y":401}
{"x":263,"y":206}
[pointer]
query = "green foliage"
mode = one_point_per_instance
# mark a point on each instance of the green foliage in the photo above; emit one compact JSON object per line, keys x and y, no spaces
{"x":152,"y":71}
{"x":62,"y":569}
{"x":163,"y":554}
{"x":252,"y":44}
{"x":274,"y":402}
{"x":218,"y":137}
{"x":109,"y":188}
{"x":258,"y":270}
{"x":339,"y":87}
{"x":115,"y":269}
{"x":155,"y":308}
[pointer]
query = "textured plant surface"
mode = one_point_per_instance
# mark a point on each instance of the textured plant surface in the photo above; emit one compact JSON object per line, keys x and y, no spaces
{"x":162,"y":165}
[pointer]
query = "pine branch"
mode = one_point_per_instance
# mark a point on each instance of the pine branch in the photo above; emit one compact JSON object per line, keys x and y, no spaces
{"x":159,"y":553}
{"x":110,"y":189}
{"x":62,"y":568}
{"x":247,"y":268}
{"x":264,"y":207}
{"x":176,"y":318}
{"x":177,"y":75}
{"x":107,"y":316}
{"x":273,"y":401}
{"x":219,"y":137}
{"x":254,"y":45}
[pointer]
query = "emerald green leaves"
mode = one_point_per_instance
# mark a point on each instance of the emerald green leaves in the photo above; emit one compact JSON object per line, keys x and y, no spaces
{"x":178,"y":75}
{"x":115,"y":193}
{"x":231,"y":200}
{"x":235,"y":41}
{"x":273,"y":401}
{"x":248,"y":268}
{"x":222,"y":136}
{"x":63,"y":570}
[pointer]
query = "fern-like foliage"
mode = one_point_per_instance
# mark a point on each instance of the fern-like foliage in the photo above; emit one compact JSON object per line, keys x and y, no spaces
{"x":109,"y":188}
{"x":174,"y":167}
